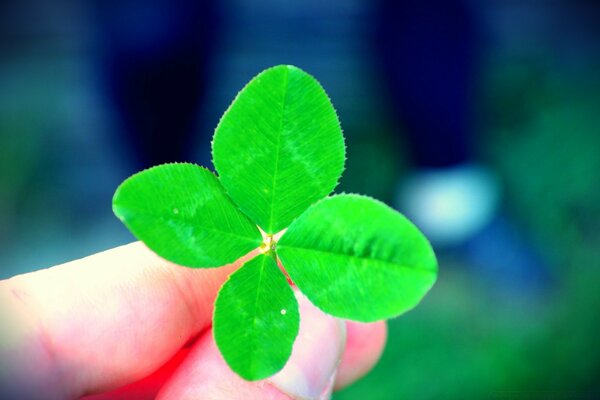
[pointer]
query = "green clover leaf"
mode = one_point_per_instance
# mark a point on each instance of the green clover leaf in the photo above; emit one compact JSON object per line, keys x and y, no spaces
{"x":279,"y":152}
{"x":279,"y":147}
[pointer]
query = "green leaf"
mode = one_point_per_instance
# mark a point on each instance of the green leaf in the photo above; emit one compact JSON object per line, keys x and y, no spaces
{"x":356,"y":258}
{"x":184,"y":215}
{"x":279,"y":147}
{"x":256,"y":319}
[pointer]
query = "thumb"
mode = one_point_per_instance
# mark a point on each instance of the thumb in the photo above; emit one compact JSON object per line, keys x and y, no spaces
{"x":309,"y":373}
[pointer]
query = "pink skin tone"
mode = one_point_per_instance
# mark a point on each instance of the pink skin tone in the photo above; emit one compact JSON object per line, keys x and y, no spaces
{"x":126,"y":324}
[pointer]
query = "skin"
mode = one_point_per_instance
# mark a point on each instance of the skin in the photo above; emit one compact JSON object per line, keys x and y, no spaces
{"x":126,"y":324}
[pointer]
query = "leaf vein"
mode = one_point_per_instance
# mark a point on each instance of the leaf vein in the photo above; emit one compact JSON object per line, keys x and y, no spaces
{"x":190,"y":224}
{"x":278,"y":150}
{"x":355,"y":257}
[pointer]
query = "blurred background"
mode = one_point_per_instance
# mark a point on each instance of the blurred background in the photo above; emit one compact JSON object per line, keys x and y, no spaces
{"x":479,"y":120}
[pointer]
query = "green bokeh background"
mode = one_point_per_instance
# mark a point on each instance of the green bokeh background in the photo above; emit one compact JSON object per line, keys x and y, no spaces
{"x":464,"y":342}
{"x":539,"y":129}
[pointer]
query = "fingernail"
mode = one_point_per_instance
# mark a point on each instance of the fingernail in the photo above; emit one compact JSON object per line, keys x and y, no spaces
{"x":310,"y":372}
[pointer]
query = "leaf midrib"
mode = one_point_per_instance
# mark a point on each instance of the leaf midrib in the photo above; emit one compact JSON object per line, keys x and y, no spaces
{"x":254,"y":317}
{"x":402,"y":266}
{"x":192,"y":225}
{"x":278,"y":150}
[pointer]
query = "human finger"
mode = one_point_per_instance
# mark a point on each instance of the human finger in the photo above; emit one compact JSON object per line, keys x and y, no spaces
{"x":308,"y":374}
{"x":101,"y":322}
{"x":364,"y":346}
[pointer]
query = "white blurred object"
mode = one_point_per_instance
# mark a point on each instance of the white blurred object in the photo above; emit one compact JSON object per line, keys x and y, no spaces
{"x":450,"y":205}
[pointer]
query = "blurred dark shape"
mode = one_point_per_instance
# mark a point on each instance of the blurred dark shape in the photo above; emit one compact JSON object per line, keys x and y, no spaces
{"x":429,"y":51}
{"x":156,"y":60}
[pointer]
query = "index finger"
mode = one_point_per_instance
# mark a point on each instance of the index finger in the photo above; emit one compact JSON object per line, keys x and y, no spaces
{"x":103,"y":321}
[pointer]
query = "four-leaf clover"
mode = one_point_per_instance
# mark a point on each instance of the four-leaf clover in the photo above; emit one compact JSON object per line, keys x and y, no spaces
{"x":279,"y":152}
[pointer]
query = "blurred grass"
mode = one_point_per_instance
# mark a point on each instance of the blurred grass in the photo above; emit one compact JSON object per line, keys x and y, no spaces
{"x":25,"y":120}
{"x":461,"y":342}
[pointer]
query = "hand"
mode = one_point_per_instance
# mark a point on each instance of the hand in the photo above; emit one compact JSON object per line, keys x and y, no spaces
{"x":126,"y":324}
